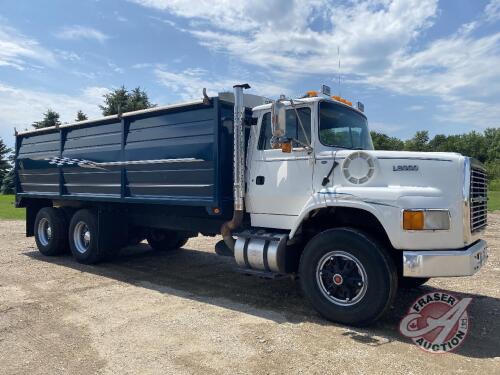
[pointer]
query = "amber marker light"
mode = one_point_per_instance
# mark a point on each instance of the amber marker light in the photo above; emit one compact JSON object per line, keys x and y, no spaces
{"x":413,"y":220}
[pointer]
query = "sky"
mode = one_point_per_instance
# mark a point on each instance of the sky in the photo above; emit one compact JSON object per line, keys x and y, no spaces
{"x":415,"y":64}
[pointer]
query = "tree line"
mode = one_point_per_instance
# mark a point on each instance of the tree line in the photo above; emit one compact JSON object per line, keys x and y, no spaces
{"x":483,"y":146}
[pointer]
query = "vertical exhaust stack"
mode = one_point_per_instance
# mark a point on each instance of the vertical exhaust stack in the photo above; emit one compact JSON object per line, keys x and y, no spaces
{"x":238,"y":168}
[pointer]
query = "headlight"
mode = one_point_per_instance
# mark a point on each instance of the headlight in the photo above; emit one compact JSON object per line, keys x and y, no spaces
{"x":426,"y":219}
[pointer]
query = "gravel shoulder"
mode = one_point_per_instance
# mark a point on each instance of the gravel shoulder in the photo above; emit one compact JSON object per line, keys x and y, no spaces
{"x":188,"y":312}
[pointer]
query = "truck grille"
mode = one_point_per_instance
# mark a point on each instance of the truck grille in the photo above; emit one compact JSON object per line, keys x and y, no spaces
{"x":478,"y":199}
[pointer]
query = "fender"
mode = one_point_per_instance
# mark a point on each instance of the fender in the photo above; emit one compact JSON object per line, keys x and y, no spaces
{"x":320,"y":200}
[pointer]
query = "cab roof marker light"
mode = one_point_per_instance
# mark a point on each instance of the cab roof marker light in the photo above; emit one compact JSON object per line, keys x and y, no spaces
{"x":312,"y":93}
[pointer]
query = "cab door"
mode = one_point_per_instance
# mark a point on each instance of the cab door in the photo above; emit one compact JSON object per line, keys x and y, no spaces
{"x":279,"y":184}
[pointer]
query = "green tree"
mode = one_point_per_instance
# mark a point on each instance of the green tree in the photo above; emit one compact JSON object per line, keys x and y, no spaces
{"x":7,"y":184}
{"x":419,"y":142}
{"x":492,"y":140}
{"x":4,"y":164}
{"x":384,"y":142}
{"x":50,"y":118}
{"x":439,"y":143}
{"x":138,"y":99}
{"x":80,"y":116}
{"x":121,"y":100}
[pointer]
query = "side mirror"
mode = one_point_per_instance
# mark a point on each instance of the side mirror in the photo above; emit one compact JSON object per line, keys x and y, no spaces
{"x":278,"y":119}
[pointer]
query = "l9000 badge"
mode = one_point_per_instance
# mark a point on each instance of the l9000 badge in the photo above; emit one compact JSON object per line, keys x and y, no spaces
{"x":402,"y":168}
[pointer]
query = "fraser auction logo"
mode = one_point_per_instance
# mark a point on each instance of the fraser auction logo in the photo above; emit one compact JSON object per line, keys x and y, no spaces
{"x":437,"y":322}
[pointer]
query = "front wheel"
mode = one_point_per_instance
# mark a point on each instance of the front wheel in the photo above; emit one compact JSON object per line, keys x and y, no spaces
{"x":347,"y":276}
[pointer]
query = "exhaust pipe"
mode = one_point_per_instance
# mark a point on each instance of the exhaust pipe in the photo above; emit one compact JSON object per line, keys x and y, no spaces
{"x":238,"y":168}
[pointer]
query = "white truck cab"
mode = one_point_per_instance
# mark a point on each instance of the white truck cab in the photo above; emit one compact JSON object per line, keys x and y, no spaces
{"x":313,"y":177}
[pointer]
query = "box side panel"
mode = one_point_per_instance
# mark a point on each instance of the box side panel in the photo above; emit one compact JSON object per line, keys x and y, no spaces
{"x":35,"y":173}
{"x":171,"y":156}
{"x":179,"y":156}
{"x":85,"y":160}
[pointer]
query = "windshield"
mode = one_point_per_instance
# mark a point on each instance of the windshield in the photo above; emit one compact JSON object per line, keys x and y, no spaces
{"x":343,"y":127}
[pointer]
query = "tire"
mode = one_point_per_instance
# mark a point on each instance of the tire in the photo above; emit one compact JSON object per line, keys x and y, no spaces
{"x":51,"y":231}
{"x":412,"y":282}
{"x":83,"y":238}
{"x":165,"y":240}
{"x":368,"y":279}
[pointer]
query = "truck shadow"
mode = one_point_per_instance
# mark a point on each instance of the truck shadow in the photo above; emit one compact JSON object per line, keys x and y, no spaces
{"x":208,"y":278}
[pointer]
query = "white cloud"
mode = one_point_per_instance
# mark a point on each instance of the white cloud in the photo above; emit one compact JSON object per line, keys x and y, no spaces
{"x":379,"y":41}
{"x":68,"y":55}
{"x":416,"y":107}
{"x":188,"y":84}
{"x":20,"y":107}
{"x":475,"y":113}
{"x":492,"y":11}
{"x":76,"y":32}
{"x":115,"y":68}
{"x":291,"y":35}
{"x":20,"y":52}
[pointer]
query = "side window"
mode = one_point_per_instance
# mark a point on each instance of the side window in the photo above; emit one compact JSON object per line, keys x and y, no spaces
{"x":293,"y":129}
{"x":266,"y":133}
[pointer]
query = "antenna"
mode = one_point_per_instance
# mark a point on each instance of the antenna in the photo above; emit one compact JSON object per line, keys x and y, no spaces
{"x":338,"y":55}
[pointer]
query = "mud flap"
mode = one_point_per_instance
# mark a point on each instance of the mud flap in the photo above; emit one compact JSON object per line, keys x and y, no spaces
{"x":112,"y":230}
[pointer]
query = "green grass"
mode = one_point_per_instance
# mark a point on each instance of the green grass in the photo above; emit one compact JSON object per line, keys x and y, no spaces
{"x":493,"y":200}
{"x":7,"y":209}
{"x":494,"y":185}
{"x":494,"y":195}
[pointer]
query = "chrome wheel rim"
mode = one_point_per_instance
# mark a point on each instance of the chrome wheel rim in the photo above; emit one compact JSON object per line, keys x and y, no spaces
{"x":341,"y":278}
{"x":81,"y":237}
{"x":44,"y":231}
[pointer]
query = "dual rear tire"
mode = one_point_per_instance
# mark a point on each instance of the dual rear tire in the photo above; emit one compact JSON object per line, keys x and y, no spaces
{"x":57,"y":232}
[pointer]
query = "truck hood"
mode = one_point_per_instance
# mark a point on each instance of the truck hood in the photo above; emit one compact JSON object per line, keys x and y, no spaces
{"x":408,"y":173}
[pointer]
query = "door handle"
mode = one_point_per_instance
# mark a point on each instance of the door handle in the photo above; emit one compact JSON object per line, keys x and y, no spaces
{"x":260,"y":180}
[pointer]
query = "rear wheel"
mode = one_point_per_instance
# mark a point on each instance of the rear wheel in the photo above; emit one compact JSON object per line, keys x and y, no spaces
{"x":347,"y":276}
{"x":165,"y":240}
{"x":51,"y":231}
{"x":83,"y":238}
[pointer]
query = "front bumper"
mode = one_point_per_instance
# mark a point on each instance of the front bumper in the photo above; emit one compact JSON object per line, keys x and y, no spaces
{"x":445,"y":263}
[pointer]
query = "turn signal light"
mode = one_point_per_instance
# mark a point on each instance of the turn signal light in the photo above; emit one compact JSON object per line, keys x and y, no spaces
{"x":426,"y":219}
{"x":413,"y":220}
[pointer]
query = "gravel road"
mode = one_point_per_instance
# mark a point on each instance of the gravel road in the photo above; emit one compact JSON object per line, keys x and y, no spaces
{"x":188,"y":312}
